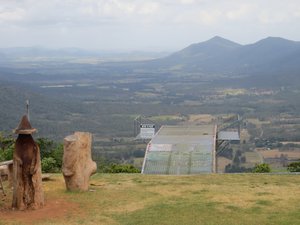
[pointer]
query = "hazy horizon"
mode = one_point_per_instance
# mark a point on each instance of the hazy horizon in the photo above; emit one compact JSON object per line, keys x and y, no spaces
{"x":131,"y":50}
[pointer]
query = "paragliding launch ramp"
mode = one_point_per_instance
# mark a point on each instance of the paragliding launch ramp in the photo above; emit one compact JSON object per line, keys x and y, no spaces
{"x":181,"y":150}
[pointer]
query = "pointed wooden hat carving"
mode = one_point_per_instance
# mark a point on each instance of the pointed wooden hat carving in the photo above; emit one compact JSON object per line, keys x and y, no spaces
{"x":24,"y":127}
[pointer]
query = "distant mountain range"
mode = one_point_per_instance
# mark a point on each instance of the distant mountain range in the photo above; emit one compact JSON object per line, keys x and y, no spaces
{"x":272,"y":55}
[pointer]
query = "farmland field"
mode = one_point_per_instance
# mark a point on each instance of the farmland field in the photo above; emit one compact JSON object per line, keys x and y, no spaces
{"x":142,"y":199}
{"x":275,"y":153}
{"x":253,"y":157}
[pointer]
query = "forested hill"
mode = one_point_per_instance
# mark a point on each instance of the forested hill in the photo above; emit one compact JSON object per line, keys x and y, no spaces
{"x":44,"y":109}
{"x":272,"y":55}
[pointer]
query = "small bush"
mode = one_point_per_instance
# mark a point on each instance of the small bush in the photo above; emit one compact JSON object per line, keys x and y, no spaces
{"x":121,"y":168}
{"x":7,"y":154}
{"x":49,"y":165}
{"x":236,"y":169}
{"x":57,"y":153}
{"x":294,"y":167}
{"x":6,"y":147}
{"x":51,"y":155}
{"x":262,"y":168}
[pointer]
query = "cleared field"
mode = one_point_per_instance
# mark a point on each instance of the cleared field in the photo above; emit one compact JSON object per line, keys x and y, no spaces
{"x":142,"y":199}
{"x":291,"y":142}
{"x":234,"y":92}
{"x":275,"y":153}
{"x":205,"y":118}
{"x":258,"y":122}
{"x":253,"y":157}
{"x":166,"y":117}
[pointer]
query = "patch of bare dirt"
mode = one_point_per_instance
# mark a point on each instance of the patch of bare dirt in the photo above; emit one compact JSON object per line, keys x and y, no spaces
{"x":53,"y":209}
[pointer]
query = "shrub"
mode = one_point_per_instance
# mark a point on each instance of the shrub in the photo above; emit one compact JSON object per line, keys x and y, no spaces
{"x":46,"y":147}
{"x":57,"y":153}
{"x":6,"y":147}
{"x":7,"y":154}
{"x":236,"y":169}
{"x":49,"y":165}
{"x":262,"y":168}
{"x":121,"y":168}
{"x":294,"y":167}
{"x":51,"y":155}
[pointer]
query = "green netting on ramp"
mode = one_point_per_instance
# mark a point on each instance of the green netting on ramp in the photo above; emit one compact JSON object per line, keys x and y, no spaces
{"x":180,"y":150}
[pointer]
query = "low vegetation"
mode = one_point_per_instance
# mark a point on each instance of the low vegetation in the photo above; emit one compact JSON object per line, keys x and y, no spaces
{"x":120,"y":168}
{"x":262,"y":168}
{"x":212,"y":199}
{"x":6,"y":147}
{"x":294,"y":167}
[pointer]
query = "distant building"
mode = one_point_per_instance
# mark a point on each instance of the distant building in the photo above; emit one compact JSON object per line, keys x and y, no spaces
{"x":147,"y":131}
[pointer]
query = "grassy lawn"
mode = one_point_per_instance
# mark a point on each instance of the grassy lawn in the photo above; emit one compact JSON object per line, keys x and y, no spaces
{"x":143,"y":199}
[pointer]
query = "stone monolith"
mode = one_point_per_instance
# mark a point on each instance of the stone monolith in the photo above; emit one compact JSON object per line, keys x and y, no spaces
{"x":77,"y":161}
{"x":27,"y":175}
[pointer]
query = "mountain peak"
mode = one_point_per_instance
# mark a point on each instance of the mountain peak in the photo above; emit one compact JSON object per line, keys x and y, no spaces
{"x":217,"y":38}
{"x":216,"y":42}
{"x":276,"y":43}
{"x":207,"y":49}
{"x":220,"y":40}
{"x":276,"y":40}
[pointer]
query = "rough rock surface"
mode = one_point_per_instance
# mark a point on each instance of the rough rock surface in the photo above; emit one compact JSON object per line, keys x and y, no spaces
{"x":77,"y":162}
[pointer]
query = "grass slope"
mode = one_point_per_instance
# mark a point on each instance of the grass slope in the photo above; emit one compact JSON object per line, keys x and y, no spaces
{"x":144,"y":199}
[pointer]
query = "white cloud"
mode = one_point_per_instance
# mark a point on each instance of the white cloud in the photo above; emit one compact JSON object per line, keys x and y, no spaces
{"x":175,"y":21}
{"x":200,"y":17}
{"x":267,"y":17}
{"x":209,"y":17}
{"x":16,"y":14}
{"x":120,"y":11}
{"x":296,"y":14}
{"x":240,"y":12}
{"x":148,"y":8}
{"x":136,"y":11}
{"x":88,"y":10}
{"x":126,"y":7}
{"x":187,"y":1}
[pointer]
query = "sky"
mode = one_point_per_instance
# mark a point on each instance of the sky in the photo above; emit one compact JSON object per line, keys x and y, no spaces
{"x":144,"y":25}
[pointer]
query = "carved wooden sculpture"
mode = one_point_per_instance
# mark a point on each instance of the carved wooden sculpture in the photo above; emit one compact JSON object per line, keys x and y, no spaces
{"x":77,"y":162}
{"x":27,"y":175}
